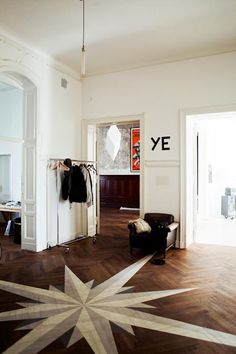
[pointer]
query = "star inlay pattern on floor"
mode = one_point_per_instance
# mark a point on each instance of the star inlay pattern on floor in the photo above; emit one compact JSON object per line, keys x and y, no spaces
{"x":88,"y":311}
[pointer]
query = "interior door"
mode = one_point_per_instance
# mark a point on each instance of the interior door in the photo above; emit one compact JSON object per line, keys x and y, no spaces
{"x":28,"y":221}
{"x":93,"y":210}
{"x":191,"y":179}
{"x":196,"y":166}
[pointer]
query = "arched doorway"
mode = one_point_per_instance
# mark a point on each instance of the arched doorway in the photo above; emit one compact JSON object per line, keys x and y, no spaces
{"x":28,"y":166}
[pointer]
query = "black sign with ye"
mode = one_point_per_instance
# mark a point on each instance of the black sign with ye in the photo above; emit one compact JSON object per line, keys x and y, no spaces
{"x":164,"y":142}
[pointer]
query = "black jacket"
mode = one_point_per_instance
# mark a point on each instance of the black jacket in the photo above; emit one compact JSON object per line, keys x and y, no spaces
{"x":73,"y":184}
{"x":78,"y":190}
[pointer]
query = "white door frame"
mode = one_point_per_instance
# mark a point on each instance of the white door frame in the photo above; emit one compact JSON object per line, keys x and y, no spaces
{"x":118,"y":119}
{"x":185,"y":239}
{"x":28,"y":213}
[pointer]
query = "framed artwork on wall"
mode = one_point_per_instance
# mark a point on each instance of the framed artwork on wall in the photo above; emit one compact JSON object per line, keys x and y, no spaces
{"x":135,"y":149}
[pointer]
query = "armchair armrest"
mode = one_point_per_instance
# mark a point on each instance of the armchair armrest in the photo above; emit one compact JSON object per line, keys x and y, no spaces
{"x":172,"y":226}
{"x":132,"y":229}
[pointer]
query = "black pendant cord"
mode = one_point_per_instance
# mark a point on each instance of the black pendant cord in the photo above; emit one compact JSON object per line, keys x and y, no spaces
{"x":83,"y":47}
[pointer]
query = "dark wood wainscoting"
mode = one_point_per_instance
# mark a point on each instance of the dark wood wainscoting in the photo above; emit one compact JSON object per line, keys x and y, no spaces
{"x":119,"y":190}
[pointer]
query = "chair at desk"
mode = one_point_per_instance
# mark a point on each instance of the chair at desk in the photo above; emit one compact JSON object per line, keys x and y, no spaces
{"x":17,"y":230}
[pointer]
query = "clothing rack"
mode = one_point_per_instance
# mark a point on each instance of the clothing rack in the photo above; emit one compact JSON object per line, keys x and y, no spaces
{"x":82,"y":237}
{"x":73,"y":160}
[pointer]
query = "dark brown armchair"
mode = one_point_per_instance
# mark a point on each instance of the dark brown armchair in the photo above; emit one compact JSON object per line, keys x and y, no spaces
{"x":161,"y":237}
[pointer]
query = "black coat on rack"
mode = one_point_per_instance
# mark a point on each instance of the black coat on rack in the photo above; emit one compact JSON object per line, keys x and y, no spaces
{"x":66,"y":183}
{"x":78,"y":190}
{"x":74,"y":185}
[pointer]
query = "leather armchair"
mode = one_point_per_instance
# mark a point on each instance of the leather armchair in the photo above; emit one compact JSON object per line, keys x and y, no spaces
{"x":162,"y":235}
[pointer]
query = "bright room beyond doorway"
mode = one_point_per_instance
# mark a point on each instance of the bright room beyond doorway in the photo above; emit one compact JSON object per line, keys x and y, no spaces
{"x":216,"y":179}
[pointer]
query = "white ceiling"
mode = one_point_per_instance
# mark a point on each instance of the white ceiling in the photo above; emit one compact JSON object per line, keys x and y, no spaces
{"x":122,"y":34}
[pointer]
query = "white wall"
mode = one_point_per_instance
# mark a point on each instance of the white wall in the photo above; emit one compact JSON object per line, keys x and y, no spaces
{"x":58,"y":115}
{"x":161,"y":92}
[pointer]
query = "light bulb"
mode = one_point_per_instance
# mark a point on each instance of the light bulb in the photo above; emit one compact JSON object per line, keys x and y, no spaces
{"x":83,"y":62}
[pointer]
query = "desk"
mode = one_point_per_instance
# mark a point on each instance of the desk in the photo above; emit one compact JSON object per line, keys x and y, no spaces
{"x":9,"y":209}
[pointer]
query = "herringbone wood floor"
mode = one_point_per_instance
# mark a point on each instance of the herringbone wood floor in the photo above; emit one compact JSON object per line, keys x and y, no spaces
{"x":211,"y":270}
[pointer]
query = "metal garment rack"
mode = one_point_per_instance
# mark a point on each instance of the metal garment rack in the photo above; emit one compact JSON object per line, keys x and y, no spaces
{"x":73,"y":160}
{"x":82,"y":237}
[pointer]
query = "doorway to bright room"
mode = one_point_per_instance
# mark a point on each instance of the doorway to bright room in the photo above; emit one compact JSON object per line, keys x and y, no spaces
{"x":214,"y":178}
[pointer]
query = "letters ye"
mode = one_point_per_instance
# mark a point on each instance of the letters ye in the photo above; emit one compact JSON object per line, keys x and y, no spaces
{"x":164,"y":142}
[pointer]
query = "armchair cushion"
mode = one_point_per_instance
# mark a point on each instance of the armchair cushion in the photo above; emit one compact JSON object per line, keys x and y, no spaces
{"x":140,"y":225}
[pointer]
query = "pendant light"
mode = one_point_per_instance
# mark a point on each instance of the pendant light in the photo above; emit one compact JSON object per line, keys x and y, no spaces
{"x":113,"y":140}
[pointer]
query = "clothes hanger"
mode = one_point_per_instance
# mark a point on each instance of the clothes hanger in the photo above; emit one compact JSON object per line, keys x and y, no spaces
{"x":91,"y":167}
{"x":58,"y":164}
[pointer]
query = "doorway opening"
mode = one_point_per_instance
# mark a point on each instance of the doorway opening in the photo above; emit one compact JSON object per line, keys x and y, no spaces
{"x":119,"y":187}
{"x":17,"y":154}
{"x":119,"y":172}
{"x":211,"y":178}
